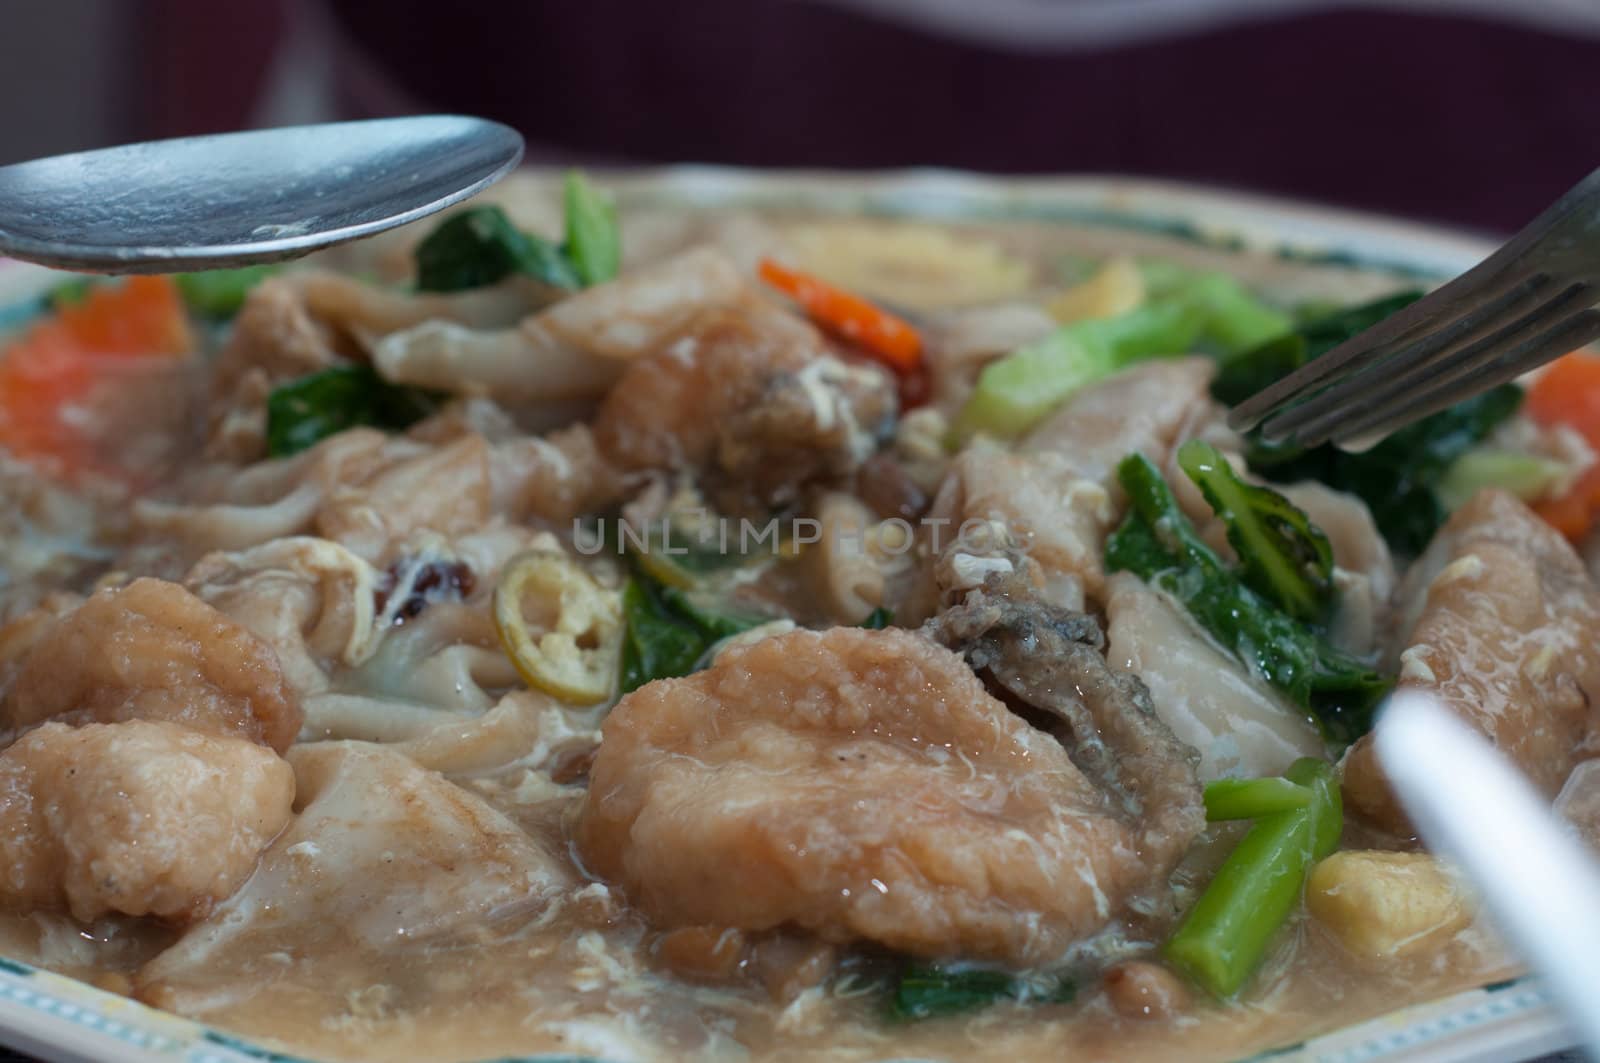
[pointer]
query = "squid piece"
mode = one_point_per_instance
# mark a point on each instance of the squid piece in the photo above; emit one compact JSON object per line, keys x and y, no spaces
{"x":576,"y":348}
{"x":354,"y":878}
{"x":1057,"y":493}
{"x":368,"y":311}
{"x":308,"y":320}
{"x":444,"y":489}
{"x":557,"y":477}
{"x":311,"y":320}
{"x":1239,"y":725}
{"x":508,"y":364}
{"x":526,"y":729}
{"x":1056,"y":517}
{"x":1143,"y":409}
{"x":233,"y":509}
{"x":310,"y":599}
{"x":140,"y":817}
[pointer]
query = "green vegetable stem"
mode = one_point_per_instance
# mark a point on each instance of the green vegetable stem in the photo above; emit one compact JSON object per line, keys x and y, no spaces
{"x":1252,"y":798}
{"x":1253,"y":369}
{"x":1192,"y":311}
{"x":1225,"y":935}
{"x":594,"y":242}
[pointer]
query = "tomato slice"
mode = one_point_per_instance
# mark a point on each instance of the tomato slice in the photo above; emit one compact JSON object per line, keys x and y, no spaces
{"x":48,"y":375}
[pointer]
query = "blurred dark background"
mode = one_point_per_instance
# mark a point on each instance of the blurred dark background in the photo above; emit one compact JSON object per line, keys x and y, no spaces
{"x":1473,"y":112}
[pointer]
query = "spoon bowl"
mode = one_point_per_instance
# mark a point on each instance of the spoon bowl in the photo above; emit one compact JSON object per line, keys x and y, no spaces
{"x":234,"y":199}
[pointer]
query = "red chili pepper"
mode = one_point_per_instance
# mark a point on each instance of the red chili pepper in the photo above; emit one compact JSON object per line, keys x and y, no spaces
{"x":881,"y":334}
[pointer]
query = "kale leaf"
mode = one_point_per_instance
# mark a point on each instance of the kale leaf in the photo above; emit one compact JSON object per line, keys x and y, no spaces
{"x":479,"y":246}
{"x":1283,"y":556}
{"x":1397,"y":479}
{"x":660,"y":642}
{"x":878,"y":619}
{"x":1157,"y":543}
{"x":925,"y":990}
{"x":311,"y":408}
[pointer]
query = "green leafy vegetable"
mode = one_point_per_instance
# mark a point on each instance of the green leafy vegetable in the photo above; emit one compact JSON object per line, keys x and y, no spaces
{"x":1157,"y":543}
{"x":1397,"y":478}
{"x":1252,"y":798}
{"x":593,"y":241}
{"x":925,"y":991}
{"x":671,"y":630}
{"x":705,"y":611}
{"x":1250,"y":371}
{"x":1239,"y":378}
{"x":878,"y":619}
{"x":71,"y":292}
{"x":1186,"y":311}
{"x":479,"y":246}
{"x":1323,"y":334}
{"x":1528,"y":476}
{"x":660,"y":642}
{"x":311,"y":408}
{"x":1282,"y":555}
{"x":219,"y":293}
{"x":1226,"y":933}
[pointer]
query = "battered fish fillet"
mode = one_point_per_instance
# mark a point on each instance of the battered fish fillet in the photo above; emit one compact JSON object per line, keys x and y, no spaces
{"x":752,"y":397}
{"x":861,"y":785}
{"x":140,"y":817}
{"x":1503,"y":623}
{"x":153,"y":651}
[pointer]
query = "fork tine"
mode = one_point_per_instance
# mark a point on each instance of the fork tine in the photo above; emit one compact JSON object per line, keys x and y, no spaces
{"x":1408,"y":358}
{"x":1411,"y":374}
{"x":1566,"y":335}
{"x":1489,"y":279}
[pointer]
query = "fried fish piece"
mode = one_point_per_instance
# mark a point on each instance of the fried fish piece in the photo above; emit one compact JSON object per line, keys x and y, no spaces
{"x":153,"y":651}
{"x":141,"y":817}
{"x":860,"y":785}
{"x":1502,"y":619}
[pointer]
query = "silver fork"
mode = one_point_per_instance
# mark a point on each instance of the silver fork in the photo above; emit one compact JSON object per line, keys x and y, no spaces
{"x":1530,"y":302}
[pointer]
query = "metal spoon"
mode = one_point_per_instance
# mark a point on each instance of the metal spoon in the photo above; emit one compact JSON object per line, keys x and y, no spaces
{"x":237,"y":198}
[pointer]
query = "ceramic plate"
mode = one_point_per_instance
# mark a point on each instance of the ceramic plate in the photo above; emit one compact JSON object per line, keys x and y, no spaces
{"x":61,"y":1019}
